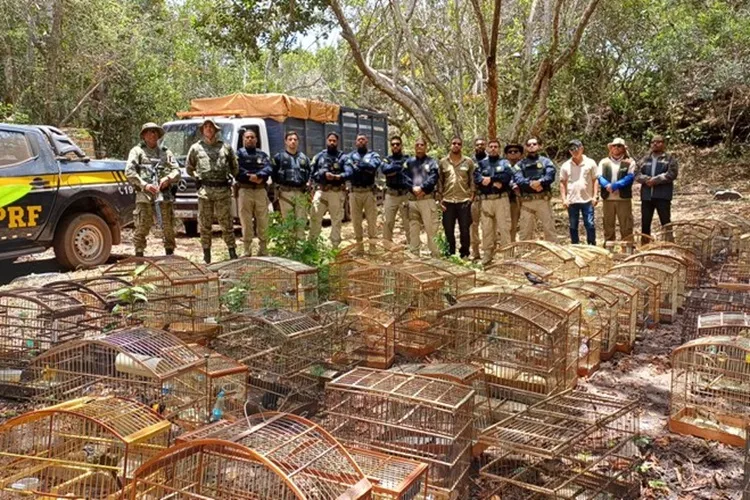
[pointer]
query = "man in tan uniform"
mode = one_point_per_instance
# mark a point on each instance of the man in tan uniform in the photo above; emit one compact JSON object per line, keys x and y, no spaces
{"x":534,"y":178}
{"x":330,"y":173}
{"x":252,"y":199}
{"x":456,"y":192}
{"x":364,"y":165}
{"x":513,"y":153}
{"x":492,"y":179}
{"x":422,"y":178}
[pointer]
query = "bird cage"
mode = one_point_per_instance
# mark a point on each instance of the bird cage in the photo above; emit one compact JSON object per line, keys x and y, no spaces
{"x":726,"y":240}
{"x":596,"y":321}
{"x":734,"y":276}
{"x":723,"y":324}
{"x":649,"y":292}
{"x":334,"y":317}
{"x":185,"y":293}
{"x":572,"y":445}
{"x":620,"y":249}
{"x":710,"y":395}
{"x":710,"y":300}
{"x":458,"y":373}
{"x":279,"y":347}
{"x":416,"y":417}
{"x":598,"y":259}
{"x":522,"y":272}
{"x":485,"y":278}
{"x":370,"y":339}
{"x":382,"y":251}
{"x":227,"y":381}
{"x":691,"y":235}
{"x":695,"y":271}
{"x":522,"y":345}
{"x":563,"y":263}
{"x":628,"y":311}
{"x":392,"y":477}
{"x":680,"y":265}
{"x":83,"y":294}
{"x":666,"y":275}
{"x":273,"y":456}
{"x":83,"y":448}
{"x":607,"y":301}
{"x":147,"y":365}
{"x":746,"y":488}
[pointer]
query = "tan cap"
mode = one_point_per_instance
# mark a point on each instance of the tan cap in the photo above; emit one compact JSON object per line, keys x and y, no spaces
{"x":211,"y":121}
{"x":617,"y":142}
{"x":152,"y":126}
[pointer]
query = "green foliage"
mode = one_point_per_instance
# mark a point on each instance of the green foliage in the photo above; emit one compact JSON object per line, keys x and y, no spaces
{"x":129,"y":298}
{"x":11,"y":114}
{"x":235,"y":299}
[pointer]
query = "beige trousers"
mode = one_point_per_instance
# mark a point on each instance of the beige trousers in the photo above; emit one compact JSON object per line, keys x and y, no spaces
{"x":618,"y":211}
{"x":331,"y":202}
{"x":476,"y":214}
{"x":423,"y":214}
{"x":363,"y":202}
{"x":495,"y":226}
{"x":393,"y":205}
{"x":533,"y":210}
{"x":294,"y":202}
{"x":253,"y":204}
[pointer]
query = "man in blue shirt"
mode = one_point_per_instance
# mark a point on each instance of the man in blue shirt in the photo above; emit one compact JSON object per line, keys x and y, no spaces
{"x":534,"y":177}
{"x":364,"y":165}
{"x":252,"y":199}
{"x":330,"y":173}
{"x":492,"y":178}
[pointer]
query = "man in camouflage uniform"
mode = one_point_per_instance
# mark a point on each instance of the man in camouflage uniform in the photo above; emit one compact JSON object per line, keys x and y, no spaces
{"x":152,"y":170}
{"x":212,"y":163}
{"x":330,"y":173}
{"x":476,"y":207}
{"x":291,"y":175}
{"x":252,"y":198}
{"x":364,"y":165}
{"x":397,"y":190}
{"x":513,"y":153}
{"x":534,"y":177}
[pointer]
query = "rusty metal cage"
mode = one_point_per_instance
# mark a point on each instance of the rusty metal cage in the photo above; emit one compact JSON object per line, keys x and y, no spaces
{"x":522,"y":346}
{"x":564,"y":264}
{"x":734,"y":276}
{"x":392,"y":477}
{"x":273,"y":456}
{"x":598,"y":260}
{"x":271,"y":282}
{"x":279,"y":347}
{"x":689,"y":234}
{"x":150,"y":366}
{"x":416,"y":417}
{"x":227,"y":381}
{"x":723,"y":324}
{"x":710,"y":396}
{"x":708,"y":300}
{"x":83,"y":448}
{"x":572,"y":445}
{"x":666,"y":275}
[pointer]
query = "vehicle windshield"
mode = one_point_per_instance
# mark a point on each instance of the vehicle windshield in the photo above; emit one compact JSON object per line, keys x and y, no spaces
{"x":178,"y":137}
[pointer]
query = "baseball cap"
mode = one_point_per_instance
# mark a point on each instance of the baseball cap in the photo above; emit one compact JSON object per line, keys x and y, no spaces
{"x":574,"y":144}
{"x":617,"y":141}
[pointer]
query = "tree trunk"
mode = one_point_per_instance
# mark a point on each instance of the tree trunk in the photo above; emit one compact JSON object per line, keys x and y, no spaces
{"x":52,"y":59}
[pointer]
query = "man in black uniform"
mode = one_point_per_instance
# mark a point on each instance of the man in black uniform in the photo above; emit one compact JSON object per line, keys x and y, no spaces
{"x":422,"y":178}
{"x":397,"y":189}
{"x":252,"y":198}
{"x":364,"y":165}
{"x":330,"y":173}
{"x":492,"y":178}
{"x":476,"y":207}
{"x":291,"y":175}
{"x":534,"y":177}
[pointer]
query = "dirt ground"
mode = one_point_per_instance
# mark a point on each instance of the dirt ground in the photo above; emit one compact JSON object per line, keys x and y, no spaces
{"x":675,"y":466}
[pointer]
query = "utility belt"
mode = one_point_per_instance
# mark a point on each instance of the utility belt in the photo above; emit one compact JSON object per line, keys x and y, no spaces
{"x":413,"y":197}
{"x":328,"y":187}
{"x":397,"y":192}
{"x":215,"y":184}
{"x":297,"y":189}
{"x":491,"y":196}
{"x":251,"y":186}
{"x":536,"y":196}
{"x":363,"y":189}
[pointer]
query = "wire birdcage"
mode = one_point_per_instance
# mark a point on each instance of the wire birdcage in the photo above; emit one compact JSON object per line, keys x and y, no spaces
{"x":598,"y":259}
{"x":147,"y":365}
{"x":650,"y":291}
{"x":710,"y":395}
{"x":564,"y":264}
{"x":83,"y":448}
{"x":695,"y":273}
{"x":416,"y":417}
{"x":377,"y":250}
{"x":620,"y":249}
{"x":710,"y":300}
{"x":271,"y":282}
{"x":84,"y":294}
{"x":281,"y":348}
{"x":725,"y":241}
{"x":734,"y":276}
{"x":392,"y":477}
{"x":746,"y":488}
{"x":572,"y":445}
{"x":485,"y":278}
{"x":723,"y":324}
{"x":680,"y":265}
{"x":666,"y":275}
{"x":370,"y":339}
{"x":273,"y":456}
{"x":521,"y":272}
{"x":691,"y":235}
{"x":227,"y":381}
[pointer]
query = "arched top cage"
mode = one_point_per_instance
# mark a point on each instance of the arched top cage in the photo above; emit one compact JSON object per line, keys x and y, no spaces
{"x":82,"y":293}
{"x":161,"y":271}
{"x":689,"y":234}
{"x":245,"y":267}
{"x":279,"y":324}
{"x":485,"y":278}
{"x":667,"y":276}
{"x":739,"y":342}
{"x":734,"y":276}
{"x":83,"y":448}
{"x":524,"y":310}
{"x":723,"y":323}
{"x":597,"y":259}
{"x":42,"y":303}
{"x":522,"y":272}
{"x":545,"y":297}
{"x":382,"y":251}
{"x":564,"y":263}
{"x":692,"y":274}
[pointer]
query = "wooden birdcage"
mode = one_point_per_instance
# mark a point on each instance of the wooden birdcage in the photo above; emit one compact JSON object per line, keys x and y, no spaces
{"x":416,"y":417}
{"x":521,"y":272}
{"x":83,"y":448}
{"x":349,"y":258}
{"x":572,"y":445}
{"x":269,"y":456}
{"x":147,"y":365}
{"x":746,"y":488}
{"x":649,"y":292}
{"x":280,"y":348}
{"x":695,"y":271}
{"x":723,"y":324}
{"x":392,"y":477}
{"x":271,"y":282}
{"x":227,"y":380}
{"x":734,"y":276}
{"x":666,"y":275}
{"x":87,"y":295}
{"x":725,"y":241}
{"x":679,"y":264}
{"x":598,"y":259}
{"x":710,"y":300}
{"x":521,"y":345}
{"x":607,"y":301}
{"x":370,"y":339}
{"x":710,"y":395}
{"x":564,"y":264}
{"x":689,"y":234}
{"x":486,"y":278}
{"x":620,"y":249}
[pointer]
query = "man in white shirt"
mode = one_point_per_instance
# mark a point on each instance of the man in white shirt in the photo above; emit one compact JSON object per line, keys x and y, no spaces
{"x":579,"y":191}
{"x":615,"y":175}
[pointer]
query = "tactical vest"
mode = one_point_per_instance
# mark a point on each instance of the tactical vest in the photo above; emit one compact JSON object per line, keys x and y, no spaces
{"x":294,"y":172}
{"x":626,"y":192}
{"x":397,"y":180}
{"x":154,"y":169}
{"x":213,"y":162}
{"x":533,"y":171}
{"x":332,"y":164}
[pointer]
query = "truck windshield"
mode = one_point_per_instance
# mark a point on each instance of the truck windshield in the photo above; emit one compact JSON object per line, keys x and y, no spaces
{"x":178,"y":137}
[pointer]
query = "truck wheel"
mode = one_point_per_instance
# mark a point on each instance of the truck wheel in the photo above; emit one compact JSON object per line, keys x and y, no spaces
{"x":82,"y":240}
{"x":191,"y":227}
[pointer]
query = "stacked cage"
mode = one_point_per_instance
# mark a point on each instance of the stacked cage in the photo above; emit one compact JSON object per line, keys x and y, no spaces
{"x":710,"y":393}
{"x":415,"y":417}
{"x":571,"y":445}
{"x":564,"y":264}
{"x":84,"y":448}
{"x":274,"y":456}
{"x":665,"y":275}
{"x":689,"y":234}
{"x":693,"y":274}
{"x":519,"y":272}
{"x":598,"y":260}
{"x":746,"y":487}
{"x":735,"y":276}
{"x":370,"y":339}
{"x":726,"y":236}
{"x":630,"y":310}
{"x":227,"y":383}
{"x":150,"y":366}
{"x":350,"y":258}
{"x":184,"y":294}
{"x":723,"y":323}
{"x":710,"y":300}
{"x":680,"y":266}
{"x":270,"y":282}
{"x":647,"y":307}
{"x":392,"y":477}
{"x":282,"y":349}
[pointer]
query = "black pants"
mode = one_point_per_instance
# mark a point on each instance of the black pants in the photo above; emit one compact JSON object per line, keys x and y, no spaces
{"x":460,"y":212}
{"x":662,"y":207}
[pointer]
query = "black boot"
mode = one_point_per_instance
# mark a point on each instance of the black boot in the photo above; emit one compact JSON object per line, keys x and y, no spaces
{"x":139,"y":253}
{"x":169,"y":251}
{"x":232,"y":253}
{"x":207,"y":255}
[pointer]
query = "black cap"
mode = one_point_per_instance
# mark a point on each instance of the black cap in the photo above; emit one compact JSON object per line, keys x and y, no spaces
{"x":574,"y":144}
{"x":512,"y":146}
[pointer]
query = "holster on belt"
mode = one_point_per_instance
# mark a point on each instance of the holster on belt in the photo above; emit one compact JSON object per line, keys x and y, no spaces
{"x":537,"y":196}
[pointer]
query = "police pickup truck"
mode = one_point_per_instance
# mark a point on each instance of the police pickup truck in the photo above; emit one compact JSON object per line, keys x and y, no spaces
{"x":53,"y":195}
{"x":181,"y":134}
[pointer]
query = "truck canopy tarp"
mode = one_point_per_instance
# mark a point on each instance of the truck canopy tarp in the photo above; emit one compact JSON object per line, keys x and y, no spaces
{"x":276,"y":106}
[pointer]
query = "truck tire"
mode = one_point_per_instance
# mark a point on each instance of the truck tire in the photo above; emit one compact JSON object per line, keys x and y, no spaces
{"x":82,"y":240}
{"x":191,"y":227}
